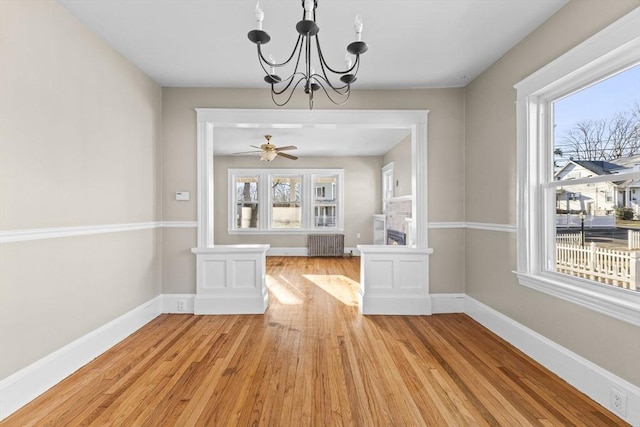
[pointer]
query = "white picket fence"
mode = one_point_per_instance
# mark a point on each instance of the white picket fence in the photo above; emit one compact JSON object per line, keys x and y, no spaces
{"x":590,"y":221}
{"x":634,"y":239}
{"x":613,"y":267}
{"x":574,"y":238}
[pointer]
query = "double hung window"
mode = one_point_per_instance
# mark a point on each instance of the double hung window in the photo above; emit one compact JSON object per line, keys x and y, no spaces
{"x":246,"y":209}
{"x":325,"y":203}
{"x":286,"y":200}
{"x":576,"y":173}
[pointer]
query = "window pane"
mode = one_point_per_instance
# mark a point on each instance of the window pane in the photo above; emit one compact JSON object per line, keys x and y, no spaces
{"x":324,"y":203}
{"x":589,"y":243}
{"x":286,"y":209}
{"x":596,"y":135}
{"x":246,"y":202}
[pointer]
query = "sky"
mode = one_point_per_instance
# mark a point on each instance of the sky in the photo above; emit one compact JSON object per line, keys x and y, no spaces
{"x":603,"y":100}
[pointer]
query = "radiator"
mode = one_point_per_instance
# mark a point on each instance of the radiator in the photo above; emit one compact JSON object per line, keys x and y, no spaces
{"x":325,"y":245}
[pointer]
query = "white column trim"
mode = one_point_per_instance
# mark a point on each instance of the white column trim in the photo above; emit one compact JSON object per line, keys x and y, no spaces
{"x":419,"y":183}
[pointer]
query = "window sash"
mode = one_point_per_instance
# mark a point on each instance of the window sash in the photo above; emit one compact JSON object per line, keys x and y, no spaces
{"x":613,"y":49}
{"x":238,"y":203}
{"x":291,"y":216}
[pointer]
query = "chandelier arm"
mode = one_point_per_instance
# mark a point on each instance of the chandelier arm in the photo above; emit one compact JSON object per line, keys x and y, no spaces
{"x":290,"y":78}
{"x":347,"y":93}
{"x":261,"y":62}
{"x":356,"y":65}
{"x":274,"y":93}
{"x":293,"y":52}
{"x":342,"y":90}
{"x":323,"y":61}
{"x":295,"y":70}
{"x":326,"y":78}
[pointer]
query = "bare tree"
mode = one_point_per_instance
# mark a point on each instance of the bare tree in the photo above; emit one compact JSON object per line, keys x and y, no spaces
{"x":605,"y":139}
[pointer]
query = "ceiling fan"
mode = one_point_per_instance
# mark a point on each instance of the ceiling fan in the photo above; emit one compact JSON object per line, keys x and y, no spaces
{"x":269,"y":151}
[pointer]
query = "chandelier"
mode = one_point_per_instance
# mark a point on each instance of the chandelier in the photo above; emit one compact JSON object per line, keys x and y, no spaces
{"x":282,"y":89}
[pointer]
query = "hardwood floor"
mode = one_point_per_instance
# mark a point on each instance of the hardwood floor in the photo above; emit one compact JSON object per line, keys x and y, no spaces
{"x":312,"y":360}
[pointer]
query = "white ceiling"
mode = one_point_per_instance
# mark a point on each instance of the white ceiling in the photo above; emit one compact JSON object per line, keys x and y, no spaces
{"x":412,"y":44}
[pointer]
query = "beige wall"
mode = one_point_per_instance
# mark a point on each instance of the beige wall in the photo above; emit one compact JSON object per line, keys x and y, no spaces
{"x":362,"y":196}
{"x":490,"y":151}
{"x":445,"y":163}
{"x":400,"y":155}
{"x":79,"y":145}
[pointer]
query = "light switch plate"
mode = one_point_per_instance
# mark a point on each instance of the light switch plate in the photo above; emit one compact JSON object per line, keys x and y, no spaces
{"x":182,"y":195}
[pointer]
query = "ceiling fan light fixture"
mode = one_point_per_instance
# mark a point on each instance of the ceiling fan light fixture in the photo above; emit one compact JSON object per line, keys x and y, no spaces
{"x":335,"y":83}
{"x":268,"y":156}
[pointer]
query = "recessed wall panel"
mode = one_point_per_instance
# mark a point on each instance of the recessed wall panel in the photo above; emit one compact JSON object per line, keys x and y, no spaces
{"x":412,"y":274}
{"x":244,"y":273}
{"x":215,"y":274}
{"x":379,"y":274}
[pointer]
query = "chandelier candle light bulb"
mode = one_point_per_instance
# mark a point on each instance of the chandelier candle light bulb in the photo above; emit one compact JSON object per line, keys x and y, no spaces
{"x":308,"y":10}
{"x":348,"y":61}
{"x":335,"y":83}
{"x":259,"y":16}
{"x":358,"y":27}
{"x":272,"y":61}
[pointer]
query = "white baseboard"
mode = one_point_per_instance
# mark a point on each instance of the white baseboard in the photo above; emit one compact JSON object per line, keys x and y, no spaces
{"x":411,"y":305}
{"x":447,"y":303}
{"x":233,"y":304}
{"x":286,"y":251}
{"x":584,"y":375}
{"x":303,"y":251}
{"x":25,"y":385}
{"x":596,"y":382}
{"x":178,"y":303}
{"x":440,"y":303}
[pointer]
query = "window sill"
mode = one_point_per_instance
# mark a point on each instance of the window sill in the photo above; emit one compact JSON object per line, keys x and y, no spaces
{"x":621,"y":304}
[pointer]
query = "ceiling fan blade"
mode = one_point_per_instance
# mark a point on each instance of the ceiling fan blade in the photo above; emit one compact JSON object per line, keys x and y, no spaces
{"x":288,"y":156}
{"x":259,"y":148}
{"x":288,"y":147}
{"x":248,"y":152}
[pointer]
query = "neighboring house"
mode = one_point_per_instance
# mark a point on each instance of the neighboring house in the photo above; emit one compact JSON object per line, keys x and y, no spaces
{"x":598,"y":199}
{"x":629,"y":191}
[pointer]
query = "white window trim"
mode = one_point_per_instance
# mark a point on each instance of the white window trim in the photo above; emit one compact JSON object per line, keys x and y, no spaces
{"x":612,"y":49}
{"x":210,"y":119}
{"x":265,"y":177}
{"x":387,"y":170}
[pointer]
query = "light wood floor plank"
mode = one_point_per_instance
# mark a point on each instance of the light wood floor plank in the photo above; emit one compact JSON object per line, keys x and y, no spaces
{"x":313,"y":360}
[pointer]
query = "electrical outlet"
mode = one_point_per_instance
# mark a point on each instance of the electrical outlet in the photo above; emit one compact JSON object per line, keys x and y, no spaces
{"x":618,"y":402}
{"x":357,"y":235}
{"x":182,"y":305}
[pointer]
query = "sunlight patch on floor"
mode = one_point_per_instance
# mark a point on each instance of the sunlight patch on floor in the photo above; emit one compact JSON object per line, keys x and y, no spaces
{"x":282,"y":291}
{"x":338,"y":286}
